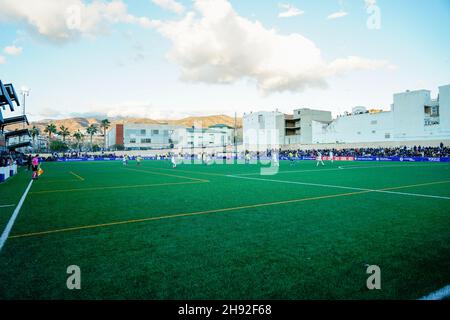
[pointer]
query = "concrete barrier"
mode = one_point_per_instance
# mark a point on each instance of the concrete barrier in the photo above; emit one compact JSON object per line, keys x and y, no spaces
{"x":7,"y":172}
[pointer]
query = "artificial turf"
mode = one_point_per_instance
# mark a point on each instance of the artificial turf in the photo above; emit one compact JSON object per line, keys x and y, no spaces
{"x":195,"y":232}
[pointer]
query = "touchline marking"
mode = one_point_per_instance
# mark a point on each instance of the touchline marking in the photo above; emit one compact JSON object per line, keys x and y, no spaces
{"x":439,"y":294}
{"x":76,"y":175}
{"x":11,"y":221}
{"x":385,"y":190}
{"x":7,"y":205}
{"x":119,"y":187}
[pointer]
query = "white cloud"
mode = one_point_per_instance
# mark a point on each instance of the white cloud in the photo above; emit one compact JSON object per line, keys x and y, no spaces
{"x":2,"y":60}
{"x":290,"y":11}
{"x":337,"y":15}
{"x":13,"y":50}
{"x":170,"y":5}
{"x":370,"y":3}
{"x":65,"y":20}
{"x":216,"y":45}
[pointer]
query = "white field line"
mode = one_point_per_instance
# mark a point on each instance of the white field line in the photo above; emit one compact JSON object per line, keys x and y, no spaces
{"x":11,"y":221}
{"x":7,"y":205}
{"x":438,"y":295}
{"x":342,"y":187}
{"x":347,"y":168}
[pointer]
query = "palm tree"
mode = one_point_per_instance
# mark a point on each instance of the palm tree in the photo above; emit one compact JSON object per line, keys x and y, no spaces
{"x":50,"y":129}
{"x":91,"y":130}
{"x":34,"y":133}
{"x":105,"y":124}
{"x":79,"y":137}
{"x":64,"y":132}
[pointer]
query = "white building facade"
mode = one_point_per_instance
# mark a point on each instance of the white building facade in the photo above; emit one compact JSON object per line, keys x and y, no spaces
{"x":214,"y":136}
{"x":270,"y":130}
{"x":414,"y":116}
{"x":135,"y":136}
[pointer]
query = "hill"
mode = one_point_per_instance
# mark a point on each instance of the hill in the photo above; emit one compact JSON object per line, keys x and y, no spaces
{"x":75,"y":124}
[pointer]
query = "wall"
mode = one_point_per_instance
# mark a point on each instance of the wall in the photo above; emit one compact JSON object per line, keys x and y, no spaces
{"x":5,"y":172}
{"x":356,"y":128}
{"x":263,"y":130}
{"x":307,"y":116}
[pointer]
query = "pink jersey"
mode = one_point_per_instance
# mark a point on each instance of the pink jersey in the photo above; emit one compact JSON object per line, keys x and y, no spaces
{"x":35,"y":161}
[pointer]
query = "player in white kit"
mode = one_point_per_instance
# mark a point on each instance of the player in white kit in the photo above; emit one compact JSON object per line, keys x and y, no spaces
{"x":319,"y":159}
{"x":174,"y":161}
{"x":331,"y":156}
{"x":275,"y":161}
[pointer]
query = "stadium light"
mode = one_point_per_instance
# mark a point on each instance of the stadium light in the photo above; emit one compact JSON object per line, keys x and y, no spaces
{"x":25,"y":91}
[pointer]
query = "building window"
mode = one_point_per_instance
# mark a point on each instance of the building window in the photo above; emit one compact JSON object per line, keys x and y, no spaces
{"x":143,"y":132}
{"x":155,"y":132}
{"x":146,"y":140}
{"x":373,"y":131}
{"x":387,"y":136}
{"x":359,"y":132}
{"x":373,"y":122}
{"x":132,"y":140}
{"x":261,"y":121}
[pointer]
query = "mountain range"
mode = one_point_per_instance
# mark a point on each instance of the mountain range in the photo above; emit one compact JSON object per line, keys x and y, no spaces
{"x":79,"y":123}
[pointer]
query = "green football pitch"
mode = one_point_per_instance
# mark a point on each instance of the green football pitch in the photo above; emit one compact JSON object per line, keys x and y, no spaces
{"x":226,"y":231}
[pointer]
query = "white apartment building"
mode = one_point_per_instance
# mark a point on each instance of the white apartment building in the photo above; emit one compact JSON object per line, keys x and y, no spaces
{"x":219,"y":135}
{"x":414,"y":116}
{"x":271,"y":130}
{"x":135,"y":136}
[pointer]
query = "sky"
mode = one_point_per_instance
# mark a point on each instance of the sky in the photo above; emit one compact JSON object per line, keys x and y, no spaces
{"x":167,"y":59}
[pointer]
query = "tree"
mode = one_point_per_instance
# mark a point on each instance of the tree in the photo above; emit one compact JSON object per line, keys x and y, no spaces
{"x":118,"y":147}
{"x":96,"y":148}
{"x":58,"y":146}
{"x":34,"y":134}
{"x":64,"y":132}
{"x":50,"y":129}
{"x":79,"y":137}
{"x":105,"y":124}
{"x":91,"y":130}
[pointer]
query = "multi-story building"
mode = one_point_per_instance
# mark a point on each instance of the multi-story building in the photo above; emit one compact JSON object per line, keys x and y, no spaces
{"x":161,"y":136}
{"x":270,"y":130}
{"x":414,"y":116}
{"x":134,"y":136}
{"x":219,"y":135}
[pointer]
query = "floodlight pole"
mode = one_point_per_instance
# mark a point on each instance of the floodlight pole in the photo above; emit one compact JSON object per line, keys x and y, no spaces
{"x":25,"y":92}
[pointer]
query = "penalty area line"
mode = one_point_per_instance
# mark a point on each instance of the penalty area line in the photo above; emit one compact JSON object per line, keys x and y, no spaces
{"x":11,"y":221}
